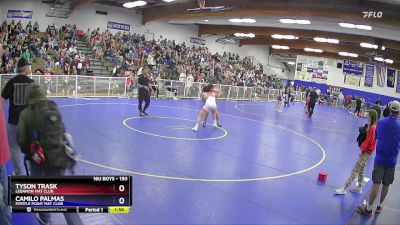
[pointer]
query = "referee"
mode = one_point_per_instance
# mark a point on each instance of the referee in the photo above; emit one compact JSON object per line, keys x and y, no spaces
{"x":144,"y":91}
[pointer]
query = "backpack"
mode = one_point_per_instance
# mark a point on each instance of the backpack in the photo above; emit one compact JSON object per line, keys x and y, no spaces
{"x":51,"y":148}
{"x":362,"y":134}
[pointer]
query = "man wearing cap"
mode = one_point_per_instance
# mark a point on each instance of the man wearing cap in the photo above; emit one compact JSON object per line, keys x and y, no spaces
{"x":387,"y":150}
{"x":15,"y":91}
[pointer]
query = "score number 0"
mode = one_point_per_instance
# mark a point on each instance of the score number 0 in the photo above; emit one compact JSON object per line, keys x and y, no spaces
{"x":121,"y":200}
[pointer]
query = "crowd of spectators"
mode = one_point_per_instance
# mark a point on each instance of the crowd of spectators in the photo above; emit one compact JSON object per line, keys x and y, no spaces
{"x":176,"y":61}
{"x":57,"y":47}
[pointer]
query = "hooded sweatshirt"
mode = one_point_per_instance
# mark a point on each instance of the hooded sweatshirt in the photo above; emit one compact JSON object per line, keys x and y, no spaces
{"x":27,"y":122}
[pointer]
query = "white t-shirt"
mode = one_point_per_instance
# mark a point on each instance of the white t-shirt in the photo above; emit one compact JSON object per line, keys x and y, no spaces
{"x":189,"y":81}
{"x":182,"y":77}
{"x":140,"y":71}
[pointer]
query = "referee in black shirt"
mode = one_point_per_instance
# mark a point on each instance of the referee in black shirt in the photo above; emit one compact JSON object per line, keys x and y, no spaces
{"x":311,"y":104}
{"x":144,"y":91}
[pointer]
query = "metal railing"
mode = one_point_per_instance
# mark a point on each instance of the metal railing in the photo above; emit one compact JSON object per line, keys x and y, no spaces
{"x":94,"y":86}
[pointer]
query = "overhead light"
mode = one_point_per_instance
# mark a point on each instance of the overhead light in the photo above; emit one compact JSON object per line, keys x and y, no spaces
{"x":354,"y":55}
{"x":368,"y":45}
{"x":326,"y":40}
{"x":383,"y":48}
{"x":348,"y":54}
{"x":388,"y":61}
{"x":363,"y":27}
{"x":380,"y":59}
{"x":290,"y":63}
{"x":205,"y":20}
{"x":352,"y":26}
{"x":304,"y":22}
{"x":313,"y":50}
{"x":347,"y":25}
{"x":134,"y":4}
{"x":292,"y":21}
{"x":280,"y":47}
{"x":244,"y":20}
{"x":243,"y":35}
{"x":287,"y":37}
{"x":248,"y":20}
{"x":169,"y":0}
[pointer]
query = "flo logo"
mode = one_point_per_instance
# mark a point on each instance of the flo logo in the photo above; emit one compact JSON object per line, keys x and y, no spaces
{"x":372,"y":14}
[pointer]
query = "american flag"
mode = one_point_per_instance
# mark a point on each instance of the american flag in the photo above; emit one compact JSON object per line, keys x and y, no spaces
{"x":381,"y":74}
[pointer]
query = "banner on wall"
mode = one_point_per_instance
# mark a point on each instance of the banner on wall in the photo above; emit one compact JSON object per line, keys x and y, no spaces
{"x":118,"y":26}
{"x":380,"y":75}
{"x":398,"y":82}
{"x":22,"y":14}
{"x":198,"y":41}
{"x":369,"y":75}
{"x":311,"y":69}
{"x":391,"y":73}
{"x":352,"y":80}
{"x":353,"y":68}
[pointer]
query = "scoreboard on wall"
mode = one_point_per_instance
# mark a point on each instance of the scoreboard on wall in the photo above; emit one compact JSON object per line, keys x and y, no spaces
{"x":85,"y":194}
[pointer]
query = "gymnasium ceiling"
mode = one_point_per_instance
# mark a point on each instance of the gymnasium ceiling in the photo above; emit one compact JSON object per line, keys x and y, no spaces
{"x":323,"y":14}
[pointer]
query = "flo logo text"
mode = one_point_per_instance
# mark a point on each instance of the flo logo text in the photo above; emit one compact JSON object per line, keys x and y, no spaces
{"x":372,"y":14}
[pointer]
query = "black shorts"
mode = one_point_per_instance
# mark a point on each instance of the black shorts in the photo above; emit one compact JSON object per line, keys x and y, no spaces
{"x":383,"y":175}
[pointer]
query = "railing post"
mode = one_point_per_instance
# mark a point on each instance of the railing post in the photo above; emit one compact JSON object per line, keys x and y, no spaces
{"x":200,"y":88}
{"x":125,"y":87}
{"x":251,"y":94}
{"x":94,"y":85}
{"x":184,"y":89}
{"x":56,"y":84}
{"x":109,"y":86}
{"x":237,"y":94}
{"x":76,"y":85}
{"x":229,"y":91}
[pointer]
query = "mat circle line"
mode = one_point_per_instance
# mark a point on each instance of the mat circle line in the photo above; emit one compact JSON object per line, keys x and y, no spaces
{"x":203,"y":179}
{"x":125,"y":122}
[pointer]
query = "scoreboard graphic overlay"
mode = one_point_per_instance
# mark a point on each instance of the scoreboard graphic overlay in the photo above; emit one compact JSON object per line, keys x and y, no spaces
{"x":86,"y":194}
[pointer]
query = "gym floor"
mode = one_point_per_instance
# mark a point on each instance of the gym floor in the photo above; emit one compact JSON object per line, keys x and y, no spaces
{"x":261,"y":167}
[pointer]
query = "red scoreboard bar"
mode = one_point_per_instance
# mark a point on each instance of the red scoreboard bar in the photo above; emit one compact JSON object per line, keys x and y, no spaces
{"x":90,"y":194}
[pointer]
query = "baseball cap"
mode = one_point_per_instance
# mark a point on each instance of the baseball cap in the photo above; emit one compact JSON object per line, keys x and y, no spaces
{"x":394,"y":106}
{"x":22,"y":63}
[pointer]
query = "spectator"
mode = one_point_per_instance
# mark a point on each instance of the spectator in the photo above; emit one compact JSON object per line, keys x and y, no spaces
{"x":378,"y":102}
{"x":26,"y":127}
{"x":15,"y":91}
{"x":388,"y":147}
{"x":386,"y":111}
{"x":367,"y":147}
{"x":5,"y":214}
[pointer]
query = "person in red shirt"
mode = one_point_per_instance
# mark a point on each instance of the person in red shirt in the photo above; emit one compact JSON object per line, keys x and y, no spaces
{"x":5,"y":214}
{"x":367,"y":148}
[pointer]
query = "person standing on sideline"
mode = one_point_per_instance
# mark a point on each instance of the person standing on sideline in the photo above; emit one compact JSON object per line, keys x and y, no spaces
{"x":313,"y":98}
{"x":27,"y":127}
{"x":280,"y":99}
{"x":358,"y":106}
{"x":144,"y":92}
{"x":387,"y":150}
{"x":367,"y":147}
{"x":15,"y":91}
{"x":5,"y":214}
